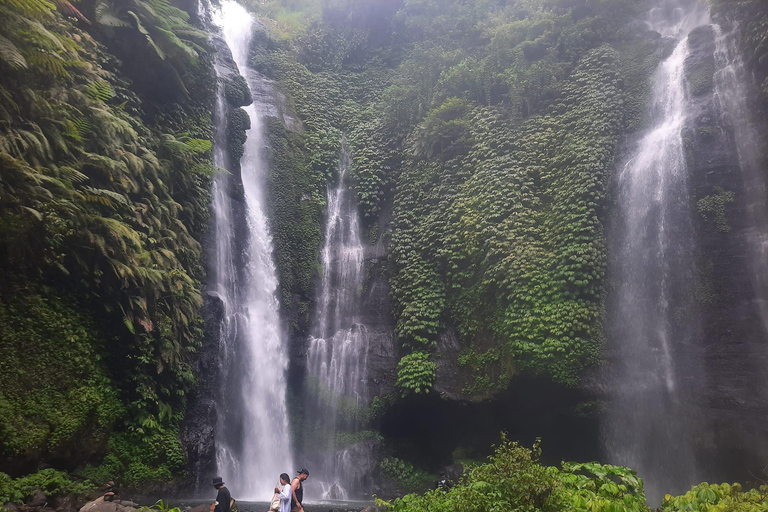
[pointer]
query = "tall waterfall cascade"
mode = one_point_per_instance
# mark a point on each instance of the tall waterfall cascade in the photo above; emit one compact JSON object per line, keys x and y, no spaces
{"x":651,"y":310}
{"x":338,"y":346}
{"x":677,"y":376}
{"x":252,"y":436}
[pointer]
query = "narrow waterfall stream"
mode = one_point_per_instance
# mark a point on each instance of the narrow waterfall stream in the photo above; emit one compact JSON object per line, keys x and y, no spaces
{"x":651,"y":308}
{"x":252,"y":438}
{"x":338,"y":346}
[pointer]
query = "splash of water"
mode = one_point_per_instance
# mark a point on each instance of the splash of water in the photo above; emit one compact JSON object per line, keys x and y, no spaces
{"x":252,"y":437}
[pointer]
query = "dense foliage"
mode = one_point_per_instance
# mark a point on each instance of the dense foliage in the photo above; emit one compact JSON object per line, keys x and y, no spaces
{"x":103,"y":199}
{"x":484,"y":131}
{"x":514,"y":479}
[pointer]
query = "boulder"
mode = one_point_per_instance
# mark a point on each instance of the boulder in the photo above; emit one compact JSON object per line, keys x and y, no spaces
{"x":67,"y":503}
{"x":99,"y":505}
{"x":38,"y":499}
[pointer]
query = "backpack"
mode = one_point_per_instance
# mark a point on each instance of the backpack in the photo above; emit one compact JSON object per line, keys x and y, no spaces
{"x":233,"y":505}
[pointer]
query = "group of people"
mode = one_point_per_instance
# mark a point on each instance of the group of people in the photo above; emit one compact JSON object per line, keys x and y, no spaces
{"x":288,"y":495}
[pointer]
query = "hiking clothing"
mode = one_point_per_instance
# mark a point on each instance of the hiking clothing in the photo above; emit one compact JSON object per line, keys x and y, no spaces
{"x":223,"y":500}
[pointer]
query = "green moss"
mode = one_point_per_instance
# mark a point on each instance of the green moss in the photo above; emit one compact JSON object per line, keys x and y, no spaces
{"x":298,"y":167}
{"x":714,"y":207}
{"x":237,"y":92}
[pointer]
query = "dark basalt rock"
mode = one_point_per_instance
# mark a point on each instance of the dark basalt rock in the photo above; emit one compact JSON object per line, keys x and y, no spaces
{"x":731,"y":434}
{"x":238,"y":122}
{"x":235,"y":88}
{"x":197,"y":434}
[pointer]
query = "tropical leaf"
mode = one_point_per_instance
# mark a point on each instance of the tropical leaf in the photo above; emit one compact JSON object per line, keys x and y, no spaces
{"x":177,"y":46}
{"x":43,"y":37}
{"x":11,"y":55}
{"x":31,"y":8}
{"x":106,"y":14}
{"x":106,"y":194}
{"x":100,"y":90}
{"x":49,"y":63}
{"x":147,"y":35}
{"x":72,"y":174}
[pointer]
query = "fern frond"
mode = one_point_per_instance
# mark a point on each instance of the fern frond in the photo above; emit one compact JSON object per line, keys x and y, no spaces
{"x":72,"y":174}
{"x":30,"y":8}
{"x":147,"y":35}
{"x":175,"y":45}
{"x":43,"y":36}
{"x":120,"y":232}
{"x":49,"y":63}
{"x":11,"y":55}
{"x":107,"y":194}
{"x":99,"y":90}
{"x":189,"y":32}
{"x":106,"y":14}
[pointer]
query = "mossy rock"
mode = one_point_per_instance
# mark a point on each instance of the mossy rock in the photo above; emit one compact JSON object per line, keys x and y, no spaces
{"x":236,"y":91}
{"x":238,"y":122}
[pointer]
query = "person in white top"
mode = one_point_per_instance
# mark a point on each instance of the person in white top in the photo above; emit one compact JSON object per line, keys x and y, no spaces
{"x":284,"y":489}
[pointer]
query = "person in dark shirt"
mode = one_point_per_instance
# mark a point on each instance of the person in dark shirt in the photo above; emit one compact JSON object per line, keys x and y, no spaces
{"x":298,"y":490}
{"x":443,"y":483}
{"x":223,"y":498}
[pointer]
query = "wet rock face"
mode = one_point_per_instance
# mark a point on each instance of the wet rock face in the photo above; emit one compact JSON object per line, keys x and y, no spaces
{"x":197,"y":434}
{"x":732,"y":437}
{"x":377,"y":311}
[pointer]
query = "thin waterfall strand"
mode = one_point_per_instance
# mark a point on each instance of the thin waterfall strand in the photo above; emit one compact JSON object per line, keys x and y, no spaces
{"x":338,"y":347}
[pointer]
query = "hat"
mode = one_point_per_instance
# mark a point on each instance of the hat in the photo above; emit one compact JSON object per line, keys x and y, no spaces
{"x":303,"y":471}
{"x":217,"y":481}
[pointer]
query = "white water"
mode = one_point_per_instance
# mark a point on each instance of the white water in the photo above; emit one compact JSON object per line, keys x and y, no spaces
{"x":253,"y":439}
{"x":338,"y":347}
{"x":652,"y":314}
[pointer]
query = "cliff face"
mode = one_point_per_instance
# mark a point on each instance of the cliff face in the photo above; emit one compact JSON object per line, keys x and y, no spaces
{"x":492,"y":262}
{"x":729,"y":225}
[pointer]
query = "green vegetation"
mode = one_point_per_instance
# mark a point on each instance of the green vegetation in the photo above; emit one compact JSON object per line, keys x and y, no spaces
{"x":714,"y":206}
{"x":103,"y":198}
{"x":50,"y":481}
{"x":407,"y":477}
{"x":718,"y":498}
{"x":415,"y":373}
{"x":487,"y":129}
{"x":54,"y":391}
{"x":514,"y":479}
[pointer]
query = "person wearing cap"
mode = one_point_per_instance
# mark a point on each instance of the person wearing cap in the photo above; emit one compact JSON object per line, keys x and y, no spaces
{"x":298,"y":490}
{"x":223,"y":498}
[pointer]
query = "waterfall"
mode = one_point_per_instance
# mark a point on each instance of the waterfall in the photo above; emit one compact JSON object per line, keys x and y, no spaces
{"x":338,"y":346}
{"x":652,"y":315}
{"x":731,"y":90}
{"x":252,"y":434}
